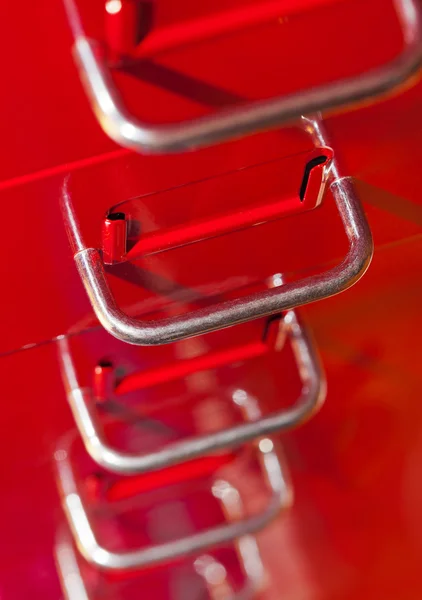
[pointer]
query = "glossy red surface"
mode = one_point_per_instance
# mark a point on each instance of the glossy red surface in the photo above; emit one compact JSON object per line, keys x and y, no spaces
{"x":355,"y":530}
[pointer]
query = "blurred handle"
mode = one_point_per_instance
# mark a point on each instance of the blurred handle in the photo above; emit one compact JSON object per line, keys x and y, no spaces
{"x":85,"y":414}
{"x":93,"y":552}
{"x":225,"y":125}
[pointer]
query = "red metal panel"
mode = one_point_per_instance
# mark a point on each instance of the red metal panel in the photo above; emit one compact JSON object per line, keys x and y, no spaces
{"x":45,"y":120}
{"x":57,"y":301}
{"x":355,"y":530}
{"x":281,"y":54}
{"x":58,"y":304}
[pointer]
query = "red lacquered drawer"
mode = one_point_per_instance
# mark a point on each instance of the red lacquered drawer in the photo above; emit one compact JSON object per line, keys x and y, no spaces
{"x":207,"y":226}
{"x":356,"y":449}
{"x":225,"y":265}
{"x":380,"y":144}
{"x":57,"y":301}
{"x":55,"y":130}
{"x":176,"y":63}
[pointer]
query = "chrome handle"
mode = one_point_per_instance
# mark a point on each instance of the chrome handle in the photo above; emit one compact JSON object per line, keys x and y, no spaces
{"x":83,"y":408}
{"x":74,"y":588}
{"x":127,"y":131}
{"x":228,"y":313}
{"x":88,"y":545}
{"x":233,"y":312}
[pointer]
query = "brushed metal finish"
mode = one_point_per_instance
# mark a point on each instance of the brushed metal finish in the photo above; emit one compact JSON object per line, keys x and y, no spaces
{"x":88,"y":545}
{"x":127,"y":131}
{"x":84,"y":411}
{"x":233,"y":312}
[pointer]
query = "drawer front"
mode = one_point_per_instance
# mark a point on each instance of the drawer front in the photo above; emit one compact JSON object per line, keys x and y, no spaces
{"x":177,"y":63}
{"x":57,"y":300}
{"x":57,"y":129}
{"x":360,"y":448}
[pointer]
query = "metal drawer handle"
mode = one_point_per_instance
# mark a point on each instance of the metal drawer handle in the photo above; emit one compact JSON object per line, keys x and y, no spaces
{"x":84,"y":411}
{"x":228,"y":313}
{"x":248,"y":555}
{"x":281,"y":499}
{"x":74,"y":588}
{"x":127,"y":131}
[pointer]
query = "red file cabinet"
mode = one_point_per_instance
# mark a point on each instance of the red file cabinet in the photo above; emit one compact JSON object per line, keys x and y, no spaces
{"x":209,"y":214}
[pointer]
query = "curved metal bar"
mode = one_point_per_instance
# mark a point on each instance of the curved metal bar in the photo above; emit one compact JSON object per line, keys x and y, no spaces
{"x":71,"y":580}
{"x":127,"y":131}
{"x":74,"y":588}
{"x":281,"y":499}
{"x":228,"y":313}
{"x":84,"y":411}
